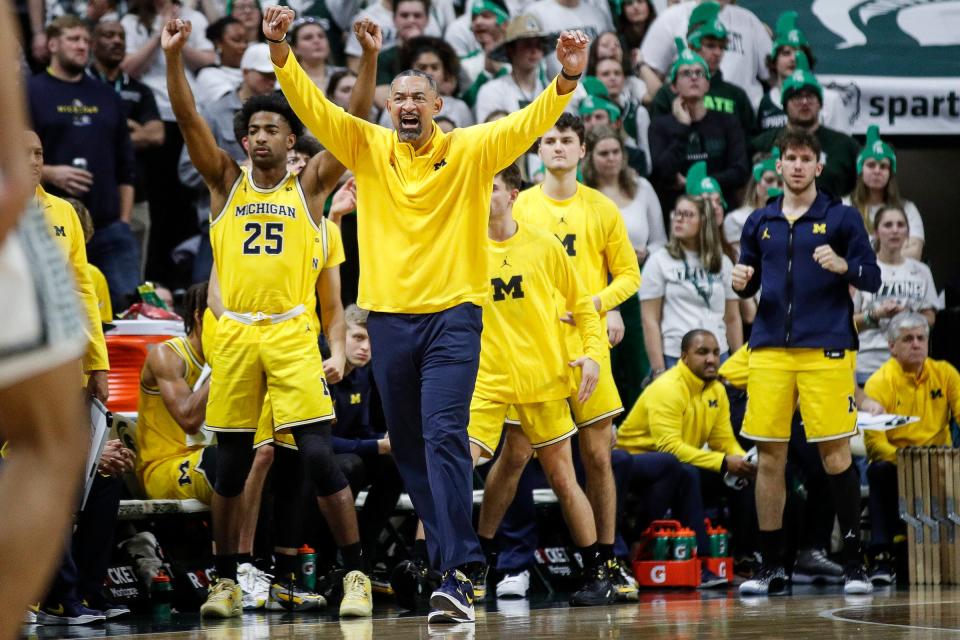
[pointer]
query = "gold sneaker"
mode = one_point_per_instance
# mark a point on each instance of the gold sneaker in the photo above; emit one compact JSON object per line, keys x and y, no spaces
{"x":225,"y":600}
{"x":357,"y":596}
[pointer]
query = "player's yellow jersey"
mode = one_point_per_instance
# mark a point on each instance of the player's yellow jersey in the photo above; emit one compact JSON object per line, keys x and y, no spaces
{"x":594,"y":235}
{"x":523,"y":354}
{"x":267,"y":249}
{"x":158,"y":436}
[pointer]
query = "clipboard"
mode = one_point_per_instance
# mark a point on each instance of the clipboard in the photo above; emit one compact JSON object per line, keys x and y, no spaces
{"x":100,"y":421}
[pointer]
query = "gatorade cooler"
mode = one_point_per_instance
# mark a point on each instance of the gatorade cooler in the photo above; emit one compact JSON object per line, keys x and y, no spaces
{"x":666,"y":539}
{"x":128,"y":343}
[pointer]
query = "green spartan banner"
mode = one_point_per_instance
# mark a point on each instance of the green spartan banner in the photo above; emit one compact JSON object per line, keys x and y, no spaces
{"x":896,"y":63}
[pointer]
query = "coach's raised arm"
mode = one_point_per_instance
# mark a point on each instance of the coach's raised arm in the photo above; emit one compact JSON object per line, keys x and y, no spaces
{"x":414,"y":101}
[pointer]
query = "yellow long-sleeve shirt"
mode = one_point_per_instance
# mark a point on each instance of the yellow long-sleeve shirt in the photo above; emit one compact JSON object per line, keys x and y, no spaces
{"x":678,"y":414}
{"x":422,"y":216}
{"x":66,"y":231}
{"x":594,"y":234}
{"x":523,"y":357}
{"x":932,"y":396}
{"x":102,"y":290}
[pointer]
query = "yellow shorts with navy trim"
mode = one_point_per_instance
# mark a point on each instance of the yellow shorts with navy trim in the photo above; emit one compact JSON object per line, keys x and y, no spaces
{"x":266,"y":433}
{"x":180,"y":479}
{"x":251,"y":360}
{"x":605,"y":401}
{"x":821,"y":379}
{"x":544,"y":423}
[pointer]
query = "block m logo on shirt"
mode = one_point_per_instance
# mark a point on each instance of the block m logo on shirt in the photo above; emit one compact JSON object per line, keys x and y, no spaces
{"x":819,"y":228}
{"x":60,"y":232}
{"x":569,"y":242}
{"x":512,"y":288}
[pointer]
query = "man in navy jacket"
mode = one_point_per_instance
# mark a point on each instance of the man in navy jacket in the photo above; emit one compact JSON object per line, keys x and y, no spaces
{"x":803,"y":252}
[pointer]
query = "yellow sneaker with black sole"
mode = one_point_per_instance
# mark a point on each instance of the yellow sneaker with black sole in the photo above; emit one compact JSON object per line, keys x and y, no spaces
{"x":357,"y":596}
{"x":623,"y":580}
{"x":225,"y":600}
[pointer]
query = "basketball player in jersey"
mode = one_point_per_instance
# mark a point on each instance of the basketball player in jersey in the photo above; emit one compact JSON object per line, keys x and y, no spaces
{"x":170,"y":409}
{"x":269,"y":240}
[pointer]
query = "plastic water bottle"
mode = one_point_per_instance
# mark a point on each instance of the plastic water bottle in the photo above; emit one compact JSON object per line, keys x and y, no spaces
{"x":161,"y":592}
{"x":308,"y":567}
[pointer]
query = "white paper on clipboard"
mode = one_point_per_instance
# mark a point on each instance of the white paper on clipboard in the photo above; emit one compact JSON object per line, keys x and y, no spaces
{"x":883,"y":422}
{"x":100,"y":420}
{"x":204,"y":437}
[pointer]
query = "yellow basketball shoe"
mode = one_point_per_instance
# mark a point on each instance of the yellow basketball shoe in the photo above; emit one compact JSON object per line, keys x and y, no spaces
{"x":357,"y":596}
{"x":225,"y":600}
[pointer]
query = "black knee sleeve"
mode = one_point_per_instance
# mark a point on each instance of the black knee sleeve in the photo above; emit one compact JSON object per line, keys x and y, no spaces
{"x":234,"y":459}
{"x":319,"y":461}
{"x":288,"y":498}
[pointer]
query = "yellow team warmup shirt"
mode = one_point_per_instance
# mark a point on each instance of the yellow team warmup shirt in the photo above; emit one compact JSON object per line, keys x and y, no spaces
{"x":678,"y":414}
{"x":522,"y":354}
{"x":594,"y":235}
{"x":102,"y":291}
{"x":932,"y":396}
{"x":64,"y":226}
{"x":267,"y":249}
{"x":422,"y":216}
{"x":158,"y":436}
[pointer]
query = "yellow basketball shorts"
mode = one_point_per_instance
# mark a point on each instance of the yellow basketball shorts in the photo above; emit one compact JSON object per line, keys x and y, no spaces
{"x":266,"y":433}
{"x":821,"y":379}
{"x":605,"y":401}
{"x":251,"y":360}
{"x":544,"y":423}
{"x":182,"y":478}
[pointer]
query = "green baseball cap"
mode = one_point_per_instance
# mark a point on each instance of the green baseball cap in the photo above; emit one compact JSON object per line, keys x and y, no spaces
{"x":594,"y":86}
{"x":686,"y":57}
{"x":876,"y":149}
{"x":700,"y":184}
{"x":591,"y":104}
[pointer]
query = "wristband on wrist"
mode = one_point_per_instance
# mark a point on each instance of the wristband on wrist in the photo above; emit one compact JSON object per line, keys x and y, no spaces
{"x":567,"y":76}
{"x":270,"y":40}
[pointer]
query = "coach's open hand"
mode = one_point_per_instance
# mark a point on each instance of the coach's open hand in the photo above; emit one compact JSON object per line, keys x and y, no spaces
{"x":175,"y":35}
{"x":741,"y":276}
{"x":589,"y":374}
{"x":368,"y":34}
{"x":276,"y":21}
{"x":829,"y":260}
{"x":572,"y":49}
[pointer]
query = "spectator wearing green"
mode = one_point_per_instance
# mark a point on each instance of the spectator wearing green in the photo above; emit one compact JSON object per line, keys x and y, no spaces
{"x":708,"y":37}
{"x":789,"y":44}
{"x":803,"y":100}
{"x":690,"y":133}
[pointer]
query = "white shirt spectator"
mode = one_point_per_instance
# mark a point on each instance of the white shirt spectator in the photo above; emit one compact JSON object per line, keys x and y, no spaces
{"x":383,"y":16}
{"x":503,"y":94}
{"x":554,"y":17}
{"x":744,"y":64}
{"x":644,"y":218}
{"x":216,"y":82}
{"x":459,"y":35}
{"x":686,"y":287}
{"x":911,"y":285}
{"x":733,"y":224}
{"x":155,"y":76}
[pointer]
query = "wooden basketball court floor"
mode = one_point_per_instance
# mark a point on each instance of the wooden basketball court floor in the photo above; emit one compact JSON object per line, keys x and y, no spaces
{"x":809,"y":613}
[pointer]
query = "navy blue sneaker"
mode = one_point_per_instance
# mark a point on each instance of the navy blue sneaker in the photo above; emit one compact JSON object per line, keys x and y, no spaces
{"x":68,"y":613}
{"x":453,"y":601}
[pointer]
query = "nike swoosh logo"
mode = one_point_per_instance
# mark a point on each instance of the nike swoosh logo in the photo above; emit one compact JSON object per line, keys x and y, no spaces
{"x":57,"y":611}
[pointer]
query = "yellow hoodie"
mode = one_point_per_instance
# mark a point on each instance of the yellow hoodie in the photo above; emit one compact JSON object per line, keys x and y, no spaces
{"x":422,"y":216}
{"x":678,"y":414}
{"x":66,"y":232}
